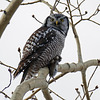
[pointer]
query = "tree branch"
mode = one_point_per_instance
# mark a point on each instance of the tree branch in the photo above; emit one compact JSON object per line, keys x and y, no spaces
{"x":8,"y":13}
{"x":40,"y":81}
{"x":7,"y":65}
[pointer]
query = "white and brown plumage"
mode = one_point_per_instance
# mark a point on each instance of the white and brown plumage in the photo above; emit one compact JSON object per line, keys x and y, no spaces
{"x":44,"y":47}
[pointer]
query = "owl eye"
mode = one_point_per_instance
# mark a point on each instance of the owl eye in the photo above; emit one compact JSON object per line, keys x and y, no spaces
{"x":52,"y":19}
{"x":62,"y":20}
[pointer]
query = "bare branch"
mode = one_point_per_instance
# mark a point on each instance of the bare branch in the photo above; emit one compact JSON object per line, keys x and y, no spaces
{"x":36,"y":19}
{"x":8,"y":13}
{"x":7,"y":65}
{"x":92,"y":75}
{"x":28,"y":3}
{"x":94,"y":89}
{"x":78,"y":92}
{"x":40,"y":81}
{"x":6,"y":96}
{"x":96,"y":12}
{"x":56,"y":94}
{"x":9,"y":81}
{"x":76,"y":36}
{"x":54,"y":6}
{"x":50,"y":6}
{"x":89,"y":18}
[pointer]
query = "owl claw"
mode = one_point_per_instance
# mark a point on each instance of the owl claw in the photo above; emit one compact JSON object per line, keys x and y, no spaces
{"x":49,"y":80}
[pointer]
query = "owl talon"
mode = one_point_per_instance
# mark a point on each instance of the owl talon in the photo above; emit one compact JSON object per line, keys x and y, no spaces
{"x":49,"y":80}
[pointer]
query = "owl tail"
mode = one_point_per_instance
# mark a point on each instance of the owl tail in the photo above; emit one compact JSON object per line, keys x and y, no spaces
{"x":24,"y":75}
{"x":22,"y":65}
{"x":17,"y":72}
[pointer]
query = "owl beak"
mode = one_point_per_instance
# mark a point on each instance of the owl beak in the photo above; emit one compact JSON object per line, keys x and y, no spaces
{"x":56,"y":22}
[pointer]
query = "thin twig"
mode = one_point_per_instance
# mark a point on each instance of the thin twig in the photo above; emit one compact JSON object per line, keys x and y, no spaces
{"x":96,"y":12}
{"x":79,"y":9}
{"x":77,"y":90}
{"x":36,"y":19}
{"x":56,"y":94}
{"x":85,"y":84}
{"x":92,"y":75}
{"x":75,"y":35}
{"x":75,"y":8}
{"x":54,"y":6}
{"x":6,"y":96}
{"x":9,"y":81}
{"x":19,"y":50}
{"x":89,"y":18}
{"x":91,"y":94}
{"x":79,"y":15}
{"x":28,"y":3}
{"x":7,"y":65}
{"x":49,"y":5}
{"x":83,"y":88}
{"x":77,"y":97}
{"x":96,"y":87}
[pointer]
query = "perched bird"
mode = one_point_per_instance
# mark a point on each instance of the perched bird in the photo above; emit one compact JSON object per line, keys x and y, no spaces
{"x":44,"y":47}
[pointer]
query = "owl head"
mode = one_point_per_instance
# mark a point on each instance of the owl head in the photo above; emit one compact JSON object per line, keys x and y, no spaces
{"x":58,"y":21}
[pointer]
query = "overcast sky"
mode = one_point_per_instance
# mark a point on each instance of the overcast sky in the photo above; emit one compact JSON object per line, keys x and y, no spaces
{"x":22,"y":25}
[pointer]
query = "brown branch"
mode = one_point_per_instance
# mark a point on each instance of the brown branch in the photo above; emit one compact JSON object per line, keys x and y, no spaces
{"x":76,"y":35}
{"x":85,"y":84}
{"x":80,"y":15}
{"x":28,"y":3}
{"x":76,"y":8}
{"x":54,"y":6}
{"x":92,"y":75}
{"x":96,"y":12}
{"x":42,"y":1}
{"x":96,"y":87}
{"x":89,"y":18}
{"x":7,"y":65}
{"x":6,"y":96}
{"x":36,"y":19}
{"x":9,"y":81}
{"x":80,"y":60}
{"x":50,"y":6}
{"x":78,"y":92}
{"x":56,"y":94}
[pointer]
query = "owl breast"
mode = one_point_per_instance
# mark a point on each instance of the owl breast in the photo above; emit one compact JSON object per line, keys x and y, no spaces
{"x":53,"y":48}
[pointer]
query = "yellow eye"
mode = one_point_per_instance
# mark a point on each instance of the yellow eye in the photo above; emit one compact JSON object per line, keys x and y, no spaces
{"x":62,"y":20}
{"x":52,"y":19}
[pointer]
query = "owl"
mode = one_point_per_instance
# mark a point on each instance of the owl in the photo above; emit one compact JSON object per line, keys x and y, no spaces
{"x":44,"y":47}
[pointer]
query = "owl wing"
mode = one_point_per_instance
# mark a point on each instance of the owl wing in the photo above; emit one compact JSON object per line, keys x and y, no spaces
{"x":33,"y":48}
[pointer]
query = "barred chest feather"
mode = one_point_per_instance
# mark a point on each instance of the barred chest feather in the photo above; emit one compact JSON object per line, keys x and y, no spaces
{"x":53,"y":48}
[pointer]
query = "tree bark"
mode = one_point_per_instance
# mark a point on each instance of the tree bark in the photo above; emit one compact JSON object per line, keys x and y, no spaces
{"x":7,"y":15}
